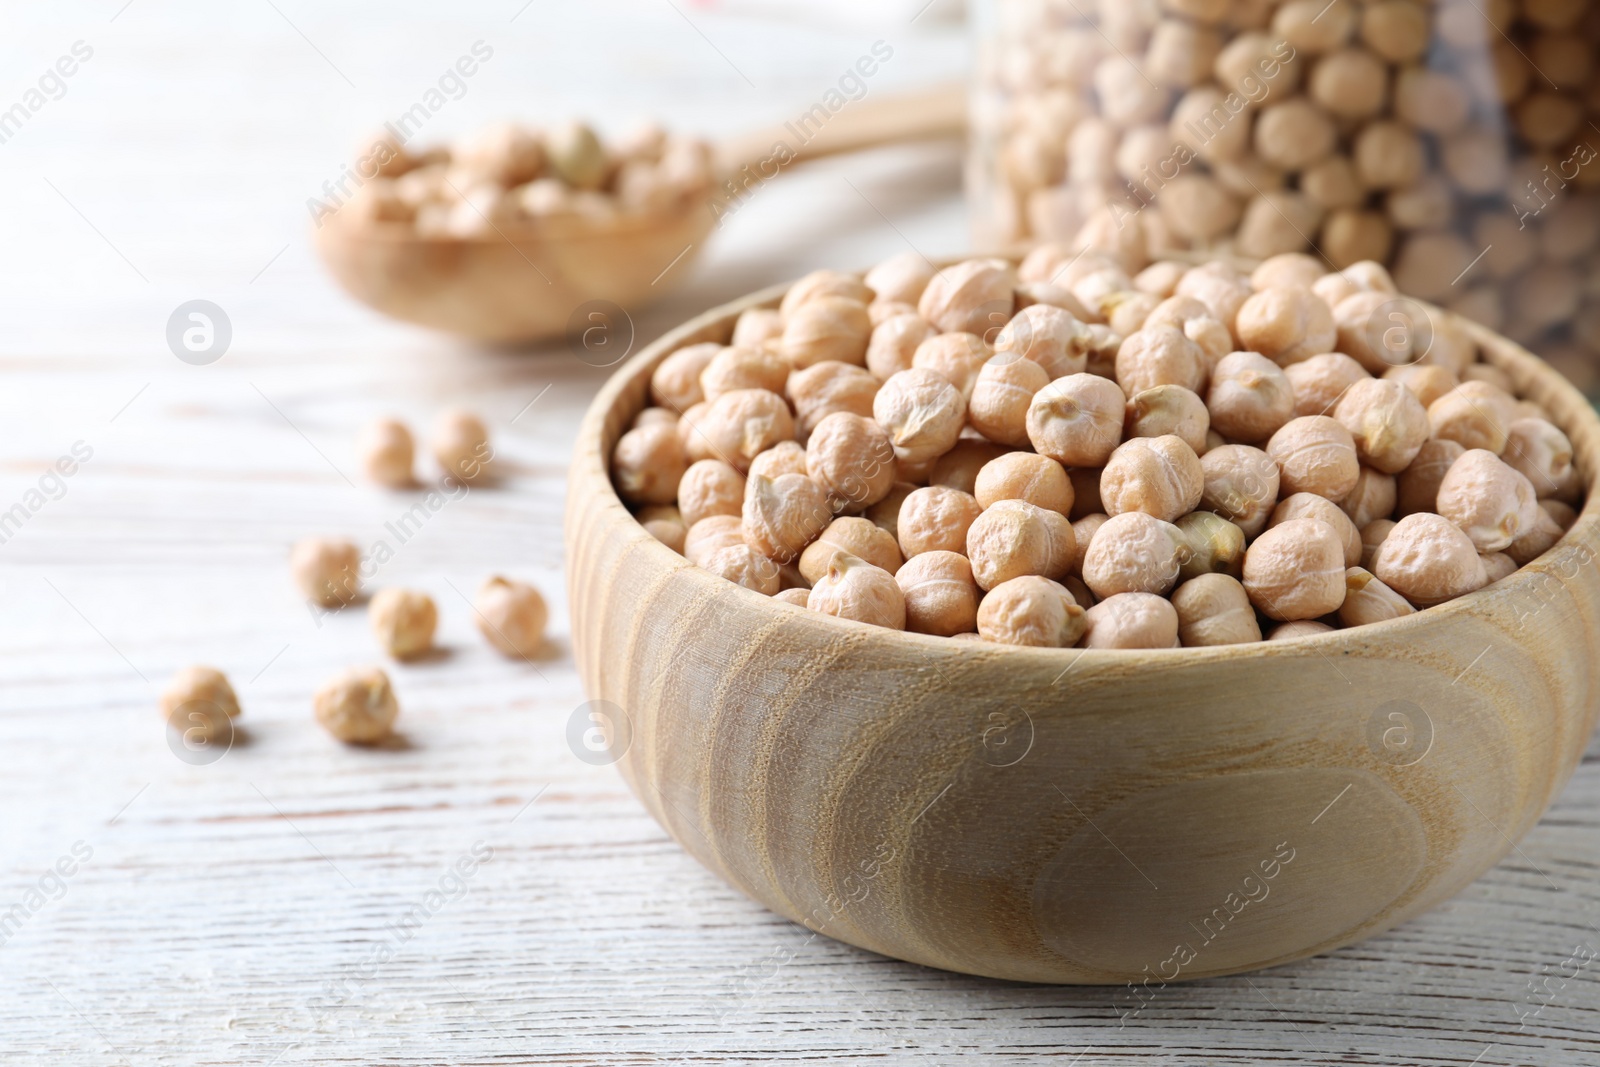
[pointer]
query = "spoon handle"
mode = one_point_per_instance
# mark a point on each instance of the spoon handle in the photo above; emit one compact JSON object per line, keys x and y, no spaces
{"x":930,"y":114}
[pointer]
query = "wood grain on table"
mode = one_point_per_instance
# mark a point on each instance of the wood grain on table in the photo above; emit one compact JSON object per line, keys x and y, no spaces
{"x":301,"y":902}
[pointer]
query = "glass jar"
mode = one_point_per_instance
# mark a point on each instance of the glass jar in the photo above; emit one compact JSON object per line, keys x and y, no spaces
{"x":1457,"y":142}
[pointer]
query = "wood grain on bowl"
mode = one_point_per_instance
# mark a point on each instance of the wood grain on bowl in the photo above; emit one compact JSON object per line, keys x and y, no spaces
{"x":1084,"y":816}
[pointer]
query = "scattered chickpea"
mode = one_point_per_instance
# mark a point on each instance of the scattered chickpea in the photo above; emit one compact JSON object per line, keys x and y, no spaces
{"x":200,"y":700}
{"x":1491,"y":503}
{"x":940,"y":594}
{"x":1077,"y":420}
{"x":387,"y":452}
{"x":743,"y":565}
{"x":1013,"y":538}
{"x":1315,"y":454}
{"x":739,"y":425}
{"x":857,"y":536}
{"x":1169,"y":409}
{"x":1428,"y":559}
{"x":1048,"y":336}
{"x":1295,"y":570}
{"x":894,"y":341}
{"x":1373,"y":498}
{"x":1001,"y":395}
{"x":1387,"y":422}
{"x":782,"y":515}
{"x":935,"y":518}
{"x":826,"y":328}
{"x":357,"y":706}
{"x":922,"y":412}
{"x":460,"y":445}
{"x":1039,"y":480}
{"x":511,"y":615}
{"x":851,"y":457}
{"x":1474,"y":415}
{"x":1312,"y":506}
{"x":737,"y":367}
{"x":974,"y":296}
{"x":852,"y":588}
{"x":648,"y":463}
{"x":328,"y":572}
{"x":1160,"y":476}
{"x":403,"y":620}
{"x":1214,"y":609}
{"x":1250,"y":397}
{"x":1156,"y":356}
{"x":1212,"y":545}
{"x":1133,"y":553}
{"x":1131,"y":620}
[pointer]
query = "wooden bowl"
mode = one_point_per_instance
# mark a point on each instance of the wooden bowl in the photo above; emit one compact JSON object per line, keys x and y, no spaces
{"x":1082,"y":816}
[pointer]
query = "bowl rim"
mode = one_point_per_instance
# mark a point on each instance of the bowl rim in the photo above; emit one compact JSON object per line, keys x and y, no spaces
{"x":591,"y":471}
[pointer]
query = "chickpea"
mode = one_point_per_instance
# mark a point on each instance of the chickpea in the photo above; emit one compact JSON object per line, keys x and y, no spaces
{"x":902,"y":277}
{"x":1241,"y":485}
{"x":1387,"y":155}
{"x":1048,"y":336}
{"x":1312,"y":506}
{"x":1127,"y":98}
{"x":744,"y":368}
{"x":922,"y":413}
{"x":1564,"y":514}
{"x":654,"y":417}
{"x":974,"y":296}
{"x":1158,"y":356}
{"x":1291,"y":270}
{"x":941,"y":596}
{"x":1492,"y":503}
{"x":460,"y":445}
{"x":669,"y":531}
{"x":795,"y":598}
{"x":1475,"y":161}
{"x":1372,"y":535}
{"x":1102,"y":356}
{"x":1309,"y":27}
{"x":738,"y":426}
{"x":821,"y":284}
{"x":885,"y":514}
{"x":1428,"y":264}
{"x":1315,"y":454}
{"x":782,"y":515}
{"x":1194,"y":125}
{"x":200,"y":700}
{"x":675,"y":383}
{"x":936,"y":518}
{"x":955,"y":357}
{"x":1294,"y":134}
{"x":1373,"y":498}
{"x":1431,"y":100}
{"x":511,"y":615}
{"x":1133,"y":552}
{"x":1001,"y":395}
{"x":1039,"y":480}
{"x":1160,"y":476}
{"x":709,"y":487}
{"x":387,"y":452}
{"x":1085,"y":492}
{"x":1250,"y":397}
{"x":854,"y":589}
{"x":826,"y":388}
{"x":1131,"y":620}
{"x":1428,"y":560}
{"x":710,"y":534}
{"x":959,"y":467}
{"x":1427,"y":381}
{"x":826,"y":328}
{"x":1427,"y":205}
{"x":1286,"y":324}
{"x":1198,"y":208}
{"x":1321,"y":381}
{"x":1540,"y":452}
{"x":756,"y":327}
{"x":1083,"y":531}
{"x":1292,"y":631}
{"x":856,"y":536}
{"x":1397,"y":30}
{"x":1181,"y":53}
{"x":743,"y":565}
{"x":1246,"y":58}
{"x":1214,"y":609}
{"x":1013,"y":538}
{"x":647,"y":465}
{"x":1474,"y":415}
{"x":1031,"y":294}
{"x":1487,"y":372}
{"x":403,"y":621}
{"x":1497,"y":565}
{"x":1077,"y":420}
{"x":1169,"y":409}
{"x":1030,"y":610}
{"x":1126,"y":311}
{"x":894,"y":341}
{"x":1351,"y":83}
{"x":1535,"y":540}
{"x":1349,"y":236}
{"x":1212,"y":545}
{"x":328,"y":572}
{"x":1295,"y":570}
{"x":1417,"y":487}
{"x":1387,"y":422}
{"x":357,"y":706}
{"x":1277,"y":221}
{"x":1367,"y":600}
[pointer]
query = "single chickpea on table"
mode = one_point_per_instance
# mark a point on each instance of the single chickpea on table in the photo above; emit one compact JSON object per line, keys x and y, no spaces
{"x":999,"y":464}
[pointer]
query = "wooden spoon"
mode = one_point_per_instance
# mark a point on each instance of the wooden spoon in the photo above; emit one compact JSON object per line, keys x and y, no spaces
{"x":531,"y":282}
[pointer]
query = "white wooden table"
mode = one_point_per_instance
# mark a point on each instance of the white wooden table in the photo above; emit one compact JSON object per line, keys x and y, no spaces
{"x":255,"y":909}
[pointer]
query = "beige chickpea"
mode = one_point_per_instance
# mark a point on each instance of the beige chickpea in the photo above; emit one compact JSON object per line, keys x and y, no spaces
{"x":1428,"y":264}
{"x":821,"y":284}
{"x":857,"y":536}
{"x":1453,"y":347}
{"x":1351,"y":83}
{"x":1312,"y":506}
{"x":885,"y":514}
{"x":1001,"y":395}
{"x":1083,"y":531}
{"x":1286,"y":324}
{"x":1291,"y":270}
{"x":1475,"y":415}
{"x":357,"y":706}
{"x":1540,"y":452}
{"x":1372,"y":535}
{"x":1295,"y":570}
{"x":1373,"y":498}
{"x":1294,"y":134}
{"x":1013,"y":538}
{"x":1196,"y":123}
{"x":1181,"y":53}
{"x":1127,"y":97}
{"x":1431,"y":100}
{"x":1250,"y":397}
{"x":1417,"y":487}
{"x":894,"y":341}
{"x":785,"y":457}
{"x":653,"y":416}
{"x":1349,"y":236}
{"x":901,"y":278}
{"x":1077,"y":420}
{"x":1535,"y":540}
{"x":1158,"y":356}
{"x":1387,"y":422}
{"x":936,"y":518}
{"x":1492,"y":503}
{"x":1367,"y":600}
{"x":826,"y":328}
{"x":744,"y":368}
{"x":955,"y":357}
{"x":1241,"y":484}
{"x":1563,"y":513}
{"x":387,"y":452}
{"x":1169,"y":409}
{"x":1212,"y":545}
{"x":940,"y":594}
{"x":1126,"y":311}
{"x":1254,"y":57}
{"x":403,"y":621}
{"x":922,"y":413}
{"x":1030,"y":610}
{"x":1476,"y":162}
{"x":1031,"y":294}
{"x":1427,"y":381}
{"x":200,"y":703}
{"x":1160,"y":476}
{"x":1214,"y":609}
{"x":738,"y":426}
{"x":1048,"y":336}
{"x":974,"y":296}
{"x":1039,"y":480}
{"x":826,"y":388}
{"x":1310,"y":27}
{"x":851,"y":457}
{"x":1085,"y":492}
{"x":1375,"y":329}
{"x":1387,"y":155}
{"x":1293,"y":631}
{"x":1428,"y":204}
{"x":670,"y":532}
{"x":1332,"y":183}
{"x":1198,"y":208}
{"x":1397,"y":30}
{"x":710,"y":534}
{"x":1131,"y":620}
{"x":1497,"y":565}
{"x":959,"y":467}
{"x":1133,"y":552}
{"x":675,"y":383}
{"x":756,"y":327}
{"x":1548,"y":120}
{"x":1487,"y":372}
{"x":647,"y":465}
{"x":881,"y":311}
{"x":511,"y":616}
{"x":743,"y":565}
{"x":782,"y":515}
{"x":852,"y":588}
{"x":1427,"y":559}
{"x":709,"y":487}
{"x":460,"y":445}
{"x":1319,"y":383}
{"x":1102,"y":355}
{"x":696,"y":445}
{"x":327,"y":571}
{"x":1277,"y":221}
{"x":795,"y":597}
{"x":1315,"y":454}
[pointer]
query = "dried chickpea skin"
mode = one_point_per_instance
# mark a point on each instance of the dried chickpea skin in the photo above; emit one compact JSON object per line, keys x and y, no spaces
{"x":1030,"y":610}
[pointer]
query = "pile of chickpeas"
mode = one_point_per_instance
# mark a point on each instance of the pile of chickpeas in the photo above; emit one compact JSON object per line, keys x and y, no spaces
{"x":1063,"y":454}
{"x":1419,"y":135}
{"x":506,"y":177}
